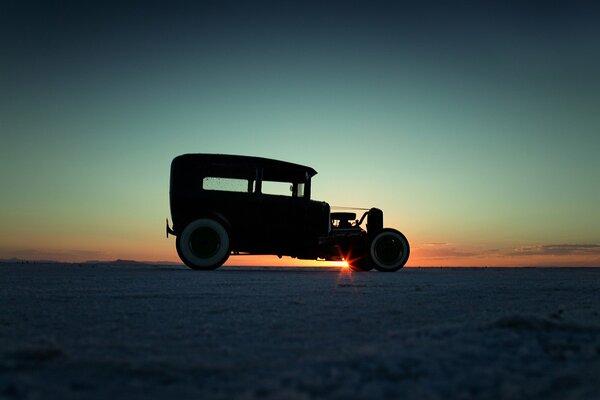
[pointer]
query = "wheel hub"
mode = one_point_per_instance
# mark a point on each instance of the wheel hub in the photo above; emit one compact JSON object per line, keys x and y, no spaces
{"x":205,"y":242}
{"x":388,"y":250}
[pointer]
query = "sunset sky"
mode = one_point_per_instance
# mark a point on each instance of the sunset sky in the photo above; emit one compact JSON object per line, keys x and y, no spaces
{"x":475,"y":126}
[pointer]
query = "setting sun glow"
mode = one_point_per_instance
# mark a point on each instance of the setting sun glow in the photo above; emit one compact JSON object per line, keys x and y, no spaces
{"x":475,"y":132}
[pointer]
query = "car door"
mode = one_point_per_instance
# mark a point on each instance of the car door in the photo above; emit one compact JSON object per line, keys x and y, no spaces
{"x":282,"y":217}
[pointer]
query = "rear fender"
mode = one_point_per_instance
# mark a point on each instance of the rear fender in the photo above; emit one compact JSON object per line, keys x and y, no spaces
{"x":207,"y":214}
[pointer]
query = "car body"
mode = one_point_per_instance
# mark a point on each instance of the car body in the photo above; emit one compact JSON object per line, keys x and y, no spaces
{"x":230,"y":204}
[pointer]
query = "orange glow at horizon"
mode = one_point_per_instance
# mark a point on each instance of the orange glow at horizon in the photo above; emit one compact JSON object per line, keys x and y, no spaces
{"x":274,"y":261}
{"x":71,"y":247}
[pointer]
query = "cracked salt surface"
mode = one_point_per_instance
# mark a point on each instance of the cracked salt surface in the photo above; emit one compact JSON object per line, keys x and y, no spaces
{"x":150,"y":332}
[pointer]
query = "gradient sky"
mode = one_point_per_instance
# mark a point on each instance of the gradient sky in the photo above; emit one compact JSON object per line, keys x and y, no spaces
{"x":475,"y":126}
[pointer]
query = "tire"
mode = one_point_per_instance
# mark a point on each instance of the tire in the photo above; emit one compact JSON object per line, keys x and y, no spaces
{"x":389,"y":250}
{"x":203,"y":244}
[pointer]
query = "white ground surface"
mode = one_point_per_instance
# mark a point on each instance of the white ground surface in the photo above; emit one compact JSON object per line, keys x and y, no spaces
{"x":140,"y":332}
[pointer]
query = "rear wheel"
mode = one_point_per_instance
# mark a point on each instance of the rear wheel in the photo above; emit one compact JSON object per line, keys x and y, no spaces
{"x":203,"y":244}
{"x":389,"y":250}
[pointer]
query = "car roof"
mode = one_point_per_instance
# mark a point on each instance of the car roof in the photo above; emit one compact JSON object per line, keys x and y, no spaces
{"x":276,"y":168}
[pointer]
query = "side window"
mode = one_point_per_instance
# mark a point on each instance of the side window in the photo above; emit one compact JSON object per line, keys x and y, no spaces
{"x":277,"y":188}
{"x":227,"y":184}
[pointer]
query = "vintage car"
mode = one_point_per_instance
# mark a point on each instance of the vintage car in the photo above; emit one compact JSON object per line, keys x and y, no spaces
{"x":229,"y":204}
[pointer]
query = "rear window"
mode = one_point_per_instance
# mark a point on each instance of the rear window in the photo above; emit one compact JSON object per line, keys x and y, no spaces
{"x":227,"y":184}
{"x":277,"y":188}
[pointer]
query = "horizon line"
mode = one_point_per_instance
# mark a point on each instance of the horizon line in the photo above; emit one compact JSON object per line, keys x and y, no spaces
{"x":119,"y":261}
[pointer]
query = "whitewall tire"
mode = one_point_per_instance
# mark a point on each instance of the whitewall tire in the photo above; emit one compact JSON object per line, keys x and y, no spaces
{"x":203,"y":244}
{"x":389,"y":250}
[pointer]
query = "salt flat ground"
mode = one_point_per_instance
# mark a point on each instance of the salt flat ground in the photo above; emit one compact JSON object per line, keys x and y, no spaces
{"x":69,"y":331}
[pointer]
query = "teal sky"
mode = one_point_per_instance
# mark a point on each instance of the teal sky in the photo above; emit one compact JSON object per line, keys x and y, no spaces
{"x":475,"y":128}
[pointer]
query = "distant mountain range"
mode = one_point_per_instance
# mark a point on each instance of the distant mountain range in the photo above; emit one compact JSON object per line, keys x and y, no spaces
{"x":15,"y":260}
{"x":117,"y":262}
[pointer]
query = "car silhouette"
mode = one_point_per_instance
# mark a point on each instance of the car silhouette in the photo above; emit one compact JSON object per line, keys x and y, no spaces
{"x":230,"y":204}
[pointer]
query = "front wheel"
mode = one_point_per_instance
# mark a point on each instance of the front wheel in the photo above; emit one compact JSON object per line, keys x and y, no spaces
{"x":203,"y":244}
{"x":389,"y":250}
